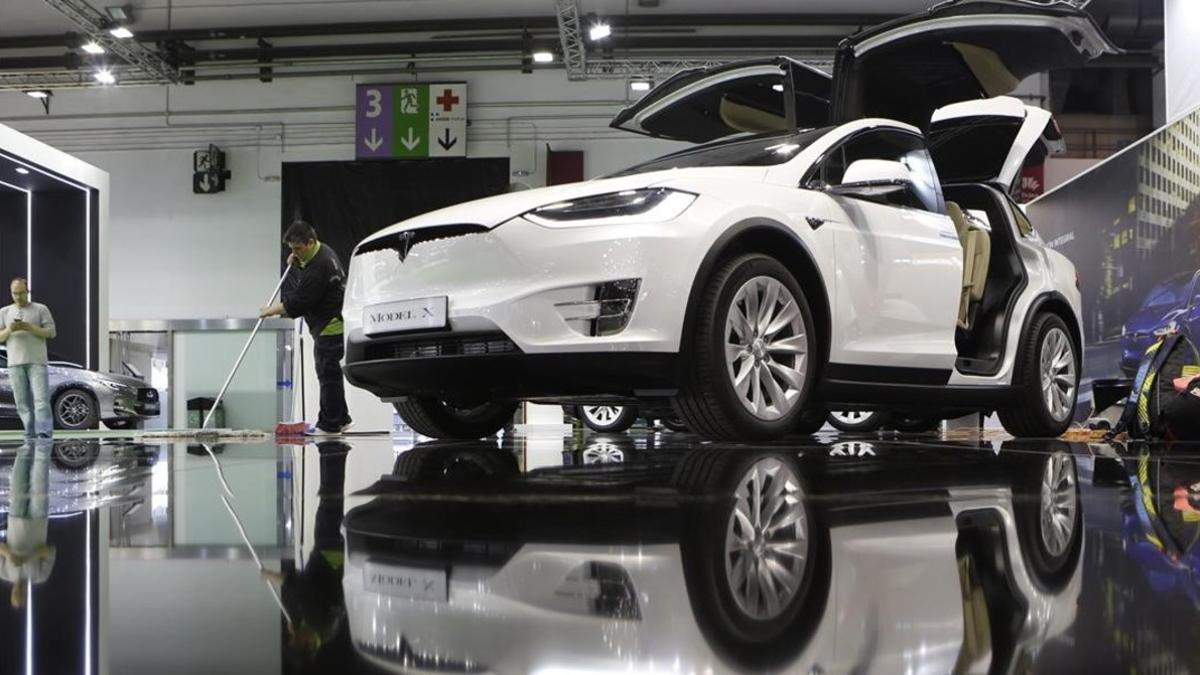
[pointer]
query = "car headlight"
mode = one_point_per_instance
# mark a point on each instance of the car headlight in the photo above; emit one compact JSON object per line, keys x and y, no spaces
{"x":648,"y":205}
{"x":118,"y":387}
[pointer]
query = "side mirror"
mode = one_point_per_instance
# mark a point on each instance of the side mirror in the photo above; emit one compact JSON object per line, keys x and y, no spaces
{"x":873,"y":178}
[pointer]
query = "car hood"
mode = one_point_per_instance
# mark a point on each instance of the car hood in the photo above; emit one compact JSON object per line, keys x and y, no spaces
{"x":80,"y":373}
{"x":492,"y":211}
{"x":1152,"y":318}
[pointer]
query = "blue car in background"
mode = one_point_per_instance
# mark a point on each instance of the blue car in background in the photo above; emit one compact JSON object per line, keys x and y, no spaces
{"x":1173,"y":303}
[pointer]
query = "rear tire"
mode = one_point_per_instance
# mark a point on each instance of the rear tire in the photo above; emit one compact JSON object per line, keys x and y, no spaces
{"x":1047,"y":377}
{"x":916,"y":425}
{"x":437,"y":419}
{"x":608,"y":419}
{"x":674,"y":424}
{"x":1049,"y":515}
{"x":858,"y":421}
{"x":752,"y":353}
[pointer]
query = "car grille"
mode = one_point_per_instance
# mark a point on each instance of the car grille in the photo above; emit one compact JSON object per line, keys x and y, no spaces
{"x":485,"y":344}
{"x":404,"y":242}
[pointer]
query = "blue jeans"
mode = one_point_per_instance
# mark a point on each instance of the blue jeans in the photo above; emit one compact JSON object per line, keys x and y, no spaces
{"x":31,"y":389}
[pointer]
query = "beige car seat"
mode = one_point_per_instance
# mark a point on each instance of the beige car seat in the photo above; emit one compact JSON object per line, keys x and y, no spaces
{"x":976,"y":243}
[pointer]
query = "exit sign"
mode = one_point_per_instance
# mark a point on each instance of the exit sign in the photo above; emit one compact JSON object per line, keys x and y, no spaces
{"x":411,"y":121}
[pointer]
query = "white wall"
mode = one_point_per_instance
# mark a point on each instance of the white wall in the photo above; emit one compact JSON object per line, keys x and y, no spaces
{"x":1181,"y":46}
{"x":176,"y":255}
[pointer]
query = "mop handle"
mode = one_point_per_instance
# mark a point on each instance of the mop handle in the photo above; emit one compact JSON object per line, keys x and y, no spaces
{"x":245,"y":348}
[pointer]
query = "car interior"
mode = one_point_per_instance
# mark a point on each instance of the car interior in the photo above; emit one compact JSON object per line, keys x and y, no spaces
{"x":992,"y":272}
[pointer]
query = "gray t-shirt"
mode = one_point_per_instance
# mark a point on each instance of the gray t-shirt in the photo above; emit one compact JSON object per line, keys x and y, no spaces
{"x":25,"y":347}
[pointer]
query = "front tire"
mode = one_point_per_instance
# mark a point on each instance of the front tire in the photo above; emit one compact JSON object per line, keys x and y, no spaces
{"x":438,"y":419}
{"x":75,"y":410}
{"x":608,"y":419}
{"x":1047,"y":377}
{"x":755,"y":554}
{"x":752,"y":354}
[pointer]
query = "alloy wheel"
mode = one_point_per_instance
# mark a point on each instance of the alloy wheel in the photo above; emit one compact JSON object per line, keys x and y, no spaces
{"x":1058,"y":374}
{"x":766,"y":540}
{"x":603,"y":453}
{"x":74,"y":409}
{"x":766,"y":348}
{"x":850,"y":416}
{"x":602,"y":415}
{"x":1059,"y":502}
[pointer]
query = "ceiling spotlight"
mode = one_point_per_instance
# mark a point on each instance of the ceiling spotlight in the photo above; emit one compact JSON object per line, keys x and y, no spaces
{"x":600,"y":31}
{"x":121,"y":32}
{"x":639,"y":85}
{"x":92,"y":48}
{"x":543,"y":57}
{"x":39,"y":93}
{"x":105,"y":77}
{"x":22,"y":170}
{"x":118,"y":13}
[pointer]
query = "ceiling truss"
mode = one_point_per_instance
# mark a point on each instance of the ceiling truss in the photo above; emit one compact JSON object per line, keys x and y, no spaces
{"x":95,"y":26}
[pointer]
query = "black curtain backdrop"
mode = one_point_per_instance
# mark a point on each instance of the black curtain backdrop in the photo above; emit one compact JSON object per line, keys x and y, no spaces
{"x":14,"y":235}
{"x":60,"y":269}
{"x":346,"y":201}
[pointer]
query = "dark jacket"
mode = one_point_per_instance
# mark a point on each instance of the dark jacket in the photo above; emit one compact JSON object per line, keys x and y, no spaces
{"x":315,"y":291}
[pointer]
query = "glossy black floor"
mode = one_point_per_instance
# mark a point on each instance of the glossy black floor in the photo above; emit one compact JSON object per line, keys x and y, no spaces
{"x":644,"y":552}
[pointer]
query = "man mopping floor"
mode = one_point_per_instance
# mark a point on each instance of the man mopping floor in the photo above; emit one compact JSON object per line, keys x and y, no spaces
{"x":316,"y":296}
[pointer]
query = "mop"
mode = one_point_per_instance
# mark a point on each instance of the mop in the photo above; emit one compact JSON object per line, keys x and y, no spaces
{"x":242,"y":531}
{"x":204,"y":433}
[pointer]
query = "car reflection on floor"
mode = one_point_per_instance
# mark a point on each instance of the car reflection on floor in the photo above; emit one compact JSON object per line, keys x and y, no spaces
{"x":825,"y":558}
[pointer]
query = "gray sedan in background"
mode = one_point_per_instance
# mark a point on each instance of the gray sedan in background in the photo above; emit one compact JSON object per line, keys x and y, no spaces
{"x":81,"y":398}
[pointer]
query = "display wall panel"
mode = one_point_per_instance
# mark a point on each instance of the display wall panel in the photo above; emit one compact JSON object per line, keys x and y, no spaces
{"x":14,"y":236}
{"x":59,"y":279}
{"x":1131,"y":225}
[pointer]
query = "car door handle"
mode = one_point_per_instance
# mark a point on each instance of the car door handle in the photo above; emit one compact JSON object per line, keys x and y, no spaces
{"x":815,"y":222}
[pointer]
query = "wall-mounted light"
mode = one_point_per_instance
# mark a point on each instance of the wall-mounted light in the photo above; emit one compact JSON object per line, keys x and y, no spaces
{"x":639,"y":85}
{"x":42,"y":95}
{"x":543,"y":57}
{"x":600,"y":31}
{"x":92,"y":48}
{"x":121,"y":32}
{"x":105,"y":76}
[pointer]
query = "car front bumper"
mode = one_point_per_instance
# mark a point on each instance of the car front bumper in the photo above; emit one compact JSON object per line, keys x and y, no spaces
{"x":513,"y":294}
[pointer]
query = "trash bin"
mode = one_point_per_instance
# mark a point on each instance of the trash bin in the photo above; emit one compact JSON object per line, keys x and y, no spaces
{"x":197,"y":409}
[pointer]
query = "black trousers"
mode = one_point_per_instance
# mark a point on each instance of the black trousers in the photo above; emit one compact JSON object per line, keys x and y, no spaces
{"x":327,"y":352}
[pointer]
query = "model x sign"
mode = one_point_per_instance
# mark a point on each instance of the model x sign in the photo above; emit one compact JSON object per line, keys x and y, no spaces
{"x":411,"y":120}
{"x":391,"y":317}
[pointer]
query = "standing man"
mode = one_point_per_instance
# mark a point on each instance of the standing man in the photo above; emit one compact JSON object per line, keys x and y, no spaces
{"x":24,"y":327}
{"x":317,"y":297}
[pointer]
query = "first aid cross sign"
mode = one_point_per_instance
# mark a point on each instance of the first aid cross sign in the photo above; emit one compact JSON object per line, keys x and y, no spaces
{"x":411,"y":120}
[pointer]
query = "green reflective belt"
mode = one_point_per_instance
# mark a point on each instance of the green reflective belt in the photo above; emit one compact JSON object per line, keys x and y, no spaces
{"x":334,"y":327}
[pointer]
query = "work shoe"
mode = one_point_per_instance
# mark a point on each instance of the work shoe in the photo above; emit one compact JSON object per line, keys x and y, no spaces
{"x":346,"y":427}
{"x":319,"y":432}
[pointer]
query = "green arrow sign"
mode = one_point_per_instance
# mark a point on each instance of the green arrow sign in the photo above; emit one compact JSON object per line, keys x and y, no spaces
{"x":410,"y":105}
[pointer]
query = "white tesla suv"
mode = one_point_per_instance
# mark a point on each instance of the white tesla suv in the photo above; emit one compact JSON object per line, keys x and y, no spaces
{"x":846,"y":242}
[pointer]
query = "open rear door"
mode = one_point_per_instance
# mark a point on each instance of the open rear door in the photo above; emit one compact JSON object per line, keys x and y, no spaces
{"x":958,"y":50}
{"x":753,"y":96}
{"x":990,"y":141}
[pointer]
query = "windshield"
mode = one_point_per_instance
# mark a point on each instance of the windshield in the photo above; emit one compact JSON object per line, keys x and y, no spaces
{"x":1167,"y":295}
{"x":757,"y":150}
